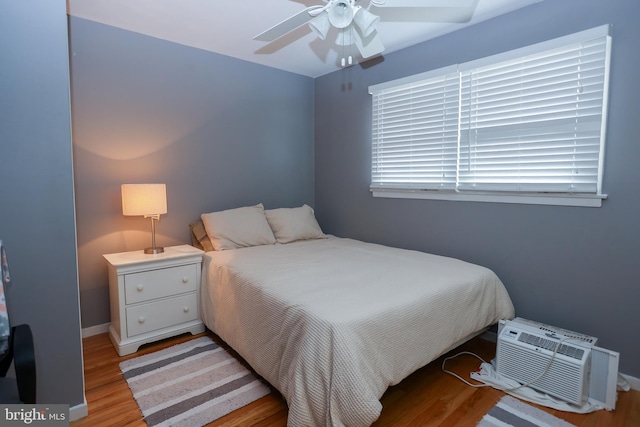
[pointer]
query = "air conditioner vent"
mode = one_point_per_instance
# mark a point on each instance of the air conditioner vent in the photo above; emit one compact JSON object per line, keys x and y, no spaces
{"x":564,"y":333}
{"x":547,"y":344}
{"x":564,"y":380}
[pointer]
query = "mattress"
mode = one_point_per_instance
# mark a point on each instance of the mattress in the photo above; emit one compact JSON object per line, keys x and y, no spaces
{"x":332,"y":323}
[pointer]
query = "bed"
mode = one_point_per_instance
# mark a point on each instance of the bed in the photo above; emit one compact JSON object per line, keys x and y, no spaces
{"x":333,"y":322}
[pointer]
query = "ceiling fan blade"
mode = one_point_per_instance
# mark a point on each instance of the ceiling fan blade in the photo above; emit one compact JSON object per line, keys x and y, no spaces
{"x":450,"y":11}
{"x":288,"y":24}
{"x":459,"y":15}
{"x":423,"y":3}
{"x":369,"y":46}
{"x":424,"y":14}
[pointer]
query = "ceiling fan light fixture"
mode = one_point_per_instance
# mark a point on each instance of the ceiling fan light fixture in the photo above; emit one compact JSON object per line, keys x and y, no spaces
{"x":341,"y":13}
{"x":366,"y":21}
{"x":320,"y":25}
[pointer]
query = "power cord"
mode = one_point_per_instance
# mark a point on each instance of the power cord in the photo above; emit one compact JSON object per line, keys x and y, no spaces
{"x":546,"y":369}
{"x":458,"y":376}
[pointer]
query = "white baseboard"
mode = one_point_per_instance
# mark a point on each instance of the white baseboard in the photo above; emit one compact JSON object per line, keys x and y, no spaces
{"x":95,"y":330}
{"x":633,"y":381}
{"x":78,"y":411}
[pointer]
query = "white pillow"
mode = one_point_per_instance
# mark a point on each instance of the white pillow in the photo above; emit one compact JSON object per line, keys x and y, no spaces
{"x":238,"y":228}
{"x":291,"y":224}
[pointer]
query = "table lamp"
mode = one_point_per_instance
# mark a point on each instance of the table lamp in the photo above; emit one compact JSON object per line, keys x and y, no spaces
{"x":148,"y":200}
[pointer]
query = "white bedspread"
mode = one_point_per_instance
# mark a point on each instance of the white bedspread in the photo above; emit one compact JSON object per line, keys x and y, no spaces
{"x":331,"y":323}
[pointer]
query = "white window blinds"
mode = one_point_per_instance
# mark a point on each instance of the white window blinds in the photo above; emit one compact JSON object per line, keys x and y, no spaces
{"x":530,"y":120}
{"x":415,"y":133}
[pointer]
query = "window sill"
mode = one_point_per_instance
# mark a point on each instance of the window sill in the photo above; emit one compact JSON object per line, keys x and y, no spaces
{"x":563,"y":199}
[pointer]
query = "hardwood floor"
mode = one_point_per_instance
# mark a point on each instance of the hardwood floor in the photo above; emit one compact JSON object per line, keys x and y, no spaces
{"x":428,"y":397}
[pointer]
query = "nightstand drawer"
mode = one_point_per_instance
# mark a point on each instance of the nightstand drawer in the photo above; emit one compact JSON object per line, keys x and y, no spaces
{"x":149,"y":285}
{"x":160,"y":314}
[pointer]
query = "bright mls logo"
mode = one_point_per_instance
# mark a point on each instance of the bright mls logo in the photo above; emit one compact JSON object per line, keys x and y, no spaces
{"x":37,"y":415}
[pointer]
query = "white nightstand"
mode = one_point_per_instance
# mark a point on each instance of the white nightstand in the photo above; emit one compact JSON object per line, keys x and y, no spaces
{"x":153,"y":296}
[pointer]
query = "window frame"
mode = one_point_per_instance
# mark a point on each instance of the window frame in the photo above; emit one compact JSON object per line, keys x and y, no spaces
{"x":586,"y":199}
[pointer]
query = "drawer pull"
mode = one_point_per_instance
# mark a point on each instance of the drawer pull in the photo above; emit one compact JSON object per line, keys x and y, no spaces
{"x":141,"y":319}
{"x":140,"y":287}
{"x":185,"y":309}
{"x":185,"y":279}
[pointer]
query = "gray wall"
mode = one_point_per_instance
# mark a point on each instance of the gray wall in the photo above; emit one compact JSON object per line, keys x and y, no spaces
{"x":220,"y":132}
{"x":37,"y":221}
{"x":571,"y":267}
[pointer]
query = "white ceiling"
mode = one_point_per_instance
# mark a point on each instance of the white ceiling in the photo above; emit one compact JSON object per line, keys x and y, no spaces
{"x":228,"y":27}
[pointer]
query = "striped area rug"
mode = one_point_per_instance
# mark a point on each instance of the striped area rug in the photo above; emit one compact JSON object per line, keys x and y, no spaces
{"x":512,"y":412}
{"x":190,"y":384}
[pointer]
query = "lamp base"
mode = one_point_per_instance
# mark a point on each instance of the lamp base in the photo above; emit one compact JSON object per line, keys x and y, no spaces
{"x":153,"y":250}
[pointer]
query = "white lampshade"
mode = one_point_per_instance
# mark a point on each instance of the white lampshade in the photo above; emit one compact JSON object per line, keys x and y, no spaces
{"x":320,"y":25}
{"x":144,"y":199}
{"x":366,"y":21}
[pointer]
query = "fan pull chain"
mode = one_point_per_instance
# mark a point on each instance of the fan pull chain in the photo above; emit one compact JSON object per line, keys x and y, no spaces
{"x":349,"y":59}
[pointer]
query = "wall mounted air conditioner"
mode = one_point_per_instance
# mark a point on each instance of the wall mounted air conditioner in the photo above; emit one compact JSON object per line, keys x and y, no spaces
{"x":578,"y":371}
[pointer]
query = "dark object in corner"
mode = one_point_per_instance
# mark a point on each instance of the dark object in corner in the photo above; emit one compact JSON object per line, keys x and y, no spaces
{"x":16,"y":344}
{"x":22,"y":353}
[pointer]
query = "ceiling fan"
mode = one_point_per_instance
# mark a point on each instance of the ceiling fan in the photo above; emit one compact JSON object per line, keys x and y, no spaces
{"x":356,"y":21}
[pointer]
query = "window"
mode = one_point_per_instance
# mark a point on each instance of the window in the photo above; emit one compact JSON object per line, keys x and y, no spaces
{"x":524,"y":126}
